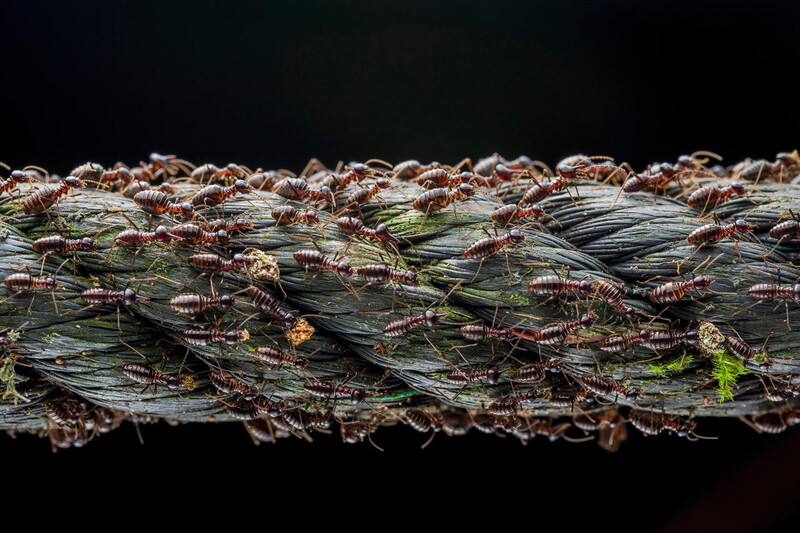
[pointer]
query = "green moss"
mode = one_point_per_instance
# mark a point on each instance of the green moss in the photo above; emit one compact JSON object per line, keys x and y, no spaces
{"x":727,"y":370}
{"x":676,"y":365}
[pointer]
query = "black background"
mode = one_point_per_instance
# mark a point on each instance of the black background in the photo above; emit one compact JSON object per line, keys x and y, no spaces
{"x":272,"y":85}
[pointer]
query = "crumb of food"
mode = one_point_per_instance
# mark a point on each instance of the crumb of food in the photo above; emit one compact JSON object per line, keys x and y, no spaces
{"x":261,"y":266}
{"x":300,"y":333}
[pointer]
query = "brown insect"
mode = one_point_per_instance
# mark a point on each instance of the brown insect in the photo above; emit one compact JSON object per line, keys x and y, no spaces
{"x":780,"y":392}
{"x":535,"y":372}
{"x":190,"y":303}
{"x":330,"y":390}
{"x":619,"y":342}
{"x":287,"y":214}
{"x":710,"y":195}
{"x":225,"y":383}
{"x":195,"y":234}
{"x":489,"y":246}
{"x":302,"y":420}
{"x":268,"y":304}
{"x":16,"y":177}
{"x":316,"y":260}
{"x":409,"y":170}
{"x":775,"y":423}
{"x":605,"y":386}
{"x":539,"y":191}
{"x":363,"y":196}
{"x":213,"y":263}
{"x":148,"y":375}
{"x":297,"y":189}
{"x":510,"y":405}
{"x":101,"y":296}
{"x":216,"y":194}
{"x":568,"y":398}
{"x":713,"y":233}
{"x":554,"y":285}
{"x":380,"y":273}
{"x":770,"y":291}
{"x":672,"y":291}
{"x":355,"y":226}
{"x":56,"y":244}
{"x":612,"y":294}
{"x":479,"y":332}
{"x":60,"y":414}
{"x":337,"y":182}
{"x":275,"y":356}
{"x":439,"y":177}
{"x":557,"y":332}
{"x":437,"y":199}
{"x":512,"y":213}
{"x":138,"y":186}
{"x":239,"y":224}
{"x":788,"y":229}
{"x":657,"y":180}
{"x":204,"y":337}
{"x":133,"y":237}
{"x":24,"y":281}
{"x":422,"y":421}
{"x":403,"y":326}
{"x":157,"y":203}
{"x":44,"y":198}
{"x":659,"y":339}
{"x":162,"y":166}
{"x":651,"y":423}
{"x":210,"y":173}
{"x":740,"y":348}
{"x":465,"y":377}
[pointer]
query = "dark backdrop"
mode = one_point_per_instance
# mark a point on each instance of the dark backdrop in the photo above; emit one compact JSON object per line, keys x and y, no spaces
{"x":271,"y":85}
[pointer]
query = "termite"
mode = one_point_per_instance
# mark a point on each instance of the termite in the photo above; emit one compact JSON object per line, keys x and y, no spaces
{"x":710,"y":195}
{"x":101,"y":296}
{"x":612,"y":294}
{"x":60,"y":414}
{"x":465,"y":377}
{"x":770,"y":291}
{"x":204,"y":337}
{"x":210,"y":173}
{"x":659,"y":340}
{"x":275,"y":356}
{"x":316,"y":260}
{"x":605,"y":386}
{"x":133,"y":237}
{"x":16,"y":177}
{"x":554,"y":285}
{"x":740,"y":348}
{"x":568,"y":398}
{"x":216,"y":194}
{"x":148,"y":375}
{"x":512,"y":213}
{"x":44,"y":198}
{"x":380,"y":273}
{"x":57,"y":244}
{"x":138,"y":186}
{"x":489,"y":246}
{"x":337,"y":182}
{"x":510,"y":405}
{"x":672,"y":291}
{"x":422,"y":421}
{"x":651,"y":423}
{"x":557,"y":332}
{"x":24,"y":281}
{"x":411,"y":169}
{"x":190,"y":303}
{"x":327,"y":389}
{"x":297,"y":189}
{"x":713,"y":233}
{"x":214,"y":263}
{"x":788,"y":229}
{"x":363,"y":196}
{"x":535,"y":372}
{"x":287,"y":214}
{"x":195,"y":234}
{"x":303,"y":420}
{"x":238,"y":224}
{"x":775,"y":423}
{"x":268,"y":304}
{"x":225,"y":383}
{"x":618,"y":342}
{"x":437,"y":199}
{"x":479,"y":332}
{"x":355,"y":226}
{"x":158,"y":203}
{"x":403,"y":326}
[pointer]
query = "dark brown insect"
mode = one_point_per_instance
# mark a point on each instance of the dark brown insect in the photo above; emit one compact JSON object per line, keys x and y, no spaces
{"x":138,"y":186}
{"x":489,"y":246}
{"x":355,"y":432}
{"x":422,"y":421}
{"x":16,"y":177}
{"x":612,"y":294}
{"x":209,"y":173}
{"x":610,"y":424}
{"x":788,"y":229}
{"x":56,"y":244}
{"x":775,"y":423}
{"x":42,"y":199}
{"x":553,"y":285}
{"x":408,"y":170}
{"x":380,"y":273}
{"x":268,"y":304}
{"x":456,"y":423}
{"x":636,"y":182}
{"x":23,"y":282}
{"x":713,"y":233}
{"x":439,"y":177}
{"x":363,"y":196}
{"x":740,"y":348}
{"x":216,"y":194}
{"x":542,"y":428}
{"x":710,"y":195}
{"x":605,"y":386}
{"x":763,"y":169}
{"x":214,"y":263}
{"x":60,"y":414}
{"x":225,"y":383}
{"x":101,"y":296}
{"x":780,"y":392}
{"x":204,"y":337}
{"x":659,"y":339}
{"x":510,"y":405}
{"x":297,"y":189}
{"x":355,"y":226}
{"x":539,"y":191}
{"x":479,"y":332}
{"x":327,"y":389}
{"x":618,"y":342}
{"x":194,"y":234}
{"x":651,"y":423}
{"x":557,"y":332}
{"x":568,"y":398}
{"x":337,"y":182}
{"x":190,"y":303}
{"x":403,"y":326}
{"x":133,"y":237}
{"x":770,"y":291}
{"x":275,"y":356}
{"x":287,"y":214}
{"x":512,"y":213}
{"x":535,"y":372}
{"x":465,"y":377}
{"x":157,"y":203}
{"x":243,"y":409}
{"x":302,"y":420}
{"x":150,"y":376}
{"x":316,"y":260}
{"x":162,"y":166}
{"x":437,"y":199}
{"x":239,"y":224}
{"x":672,"y":291}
